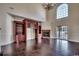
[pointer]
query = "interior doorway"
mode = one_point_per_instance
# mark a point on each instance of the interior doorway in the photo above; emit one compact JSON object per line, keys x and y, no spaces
{"x":62,"y":32}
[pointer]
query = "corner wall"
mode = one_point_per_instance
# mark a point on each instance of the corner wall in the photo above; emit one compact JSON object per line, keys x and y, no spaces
{"x":7,"y":36}
{"x":72,"y":21}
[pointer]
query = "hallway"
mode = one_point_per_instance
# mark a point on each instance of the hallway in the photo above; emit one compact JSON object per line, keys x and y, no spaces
{"x":46,"y":48}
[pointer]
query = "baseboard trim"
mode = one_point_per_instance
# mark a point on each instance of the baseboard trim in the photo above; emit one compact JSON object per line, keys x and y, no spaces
{"x":30,"y":39}
{"x":66,"y":40}
{"x":73,"y":41}
{"x":8,"y":43}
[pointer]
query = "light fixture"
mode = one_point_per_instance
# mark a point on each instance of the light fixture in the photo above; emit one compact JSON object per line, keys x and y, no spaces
{"x":48,"y":6}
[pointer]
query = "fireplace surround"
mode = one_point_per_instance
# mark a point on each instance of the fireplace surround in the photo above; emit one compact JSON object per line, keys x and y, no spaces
{"x":45,"y":33}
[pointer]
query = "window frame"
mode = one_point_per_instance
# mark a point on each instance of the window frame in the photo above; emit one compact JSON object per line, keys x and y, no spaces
{"x":66,"y":11}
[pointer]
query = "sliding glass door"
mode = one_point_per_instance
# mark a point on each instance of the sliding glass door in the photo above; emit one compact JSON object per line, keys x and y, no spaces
{"x":62,"y":32}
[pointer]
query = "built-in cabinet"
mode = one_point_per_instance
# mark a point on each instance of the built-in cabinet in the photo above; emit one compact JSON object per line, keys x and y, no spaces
{"x":31,"y":29}
{"x":26,"y":30}
{"x":19,"y":31}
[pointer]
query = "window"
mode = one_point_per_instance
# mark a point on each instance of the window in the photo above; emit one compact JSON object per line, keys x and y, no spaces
{"x":62,"y":11}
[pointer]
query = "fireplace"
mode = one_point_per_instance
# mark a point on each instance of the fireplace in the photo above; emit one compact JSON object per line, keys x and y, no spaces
{"x":45,"y":33}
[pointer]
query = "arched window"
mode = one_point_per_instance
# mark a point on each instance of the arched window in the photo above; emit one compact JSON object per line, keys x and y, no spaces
{"x":62,"y":11}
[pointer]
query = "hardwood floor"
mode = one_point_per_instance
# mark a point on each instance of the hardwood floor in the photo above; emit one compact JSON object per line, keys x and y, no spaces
{"x":48,"y":47}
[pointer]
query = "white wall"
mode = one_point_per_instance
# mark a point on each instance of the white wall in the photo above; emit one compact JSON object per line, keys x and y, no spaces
{"x":7,"y":31}
{"x":46,"y":25}
{"x":0,"y":37}
{"x":32,"y":11}
{"x":0,"y":30}
{"x":0,"y":49}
